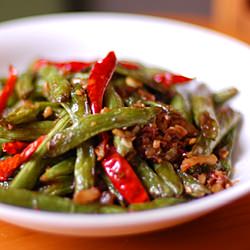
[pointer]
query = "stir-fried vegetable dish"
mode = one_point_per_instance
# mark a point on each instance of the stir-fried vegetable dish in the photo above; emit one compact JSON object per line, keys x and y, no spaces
{"x":111,"y":136}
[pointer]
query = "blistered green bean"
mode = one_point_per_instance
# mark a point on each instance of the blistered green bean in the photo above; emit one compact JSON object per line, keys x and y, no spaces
{"x":168,"y":174}
{"x":65,"y":167}
{"x":92,"y":125}
{"x":24,"y":85}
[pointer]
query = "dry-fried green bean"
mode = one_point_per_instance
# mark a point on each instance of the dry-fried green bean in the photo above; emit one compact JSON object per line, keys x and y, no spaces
{"x":84,"y":166}
{"x":59,"y":188}
{"x":145,"y":75}
{"x":204,"y":113}
{"x":112,"y":99}
{"x":24,"y":85}
{"x":180,"y":104}
{"x":84,"y":169}
{"x":192,"y":186}
{"x":168,"y":174}
{"x":58,"y":87}
{"x":153,"y":183}
{"x":92,"y":125}
{"x":226,"y":145}
{"x":227,"y":120}
{"x":27,"y":132}
{"x":65,"y":167}
{"x":27,"y":177}
{"x":38,"y":201}
{"x":224,"y":95}
{"x":113,"y":190}
{"x":157,"y":203}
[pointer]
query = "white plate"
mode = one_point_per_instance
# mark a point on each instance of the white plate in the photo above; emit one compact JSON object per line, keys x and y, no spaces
{"x":214,"y":58}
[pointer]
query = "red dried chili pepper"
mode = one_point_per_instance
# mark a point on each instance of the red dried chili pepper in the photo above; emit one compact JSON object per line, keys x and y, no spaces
{"x":99,"y":78}
{"x":31,"y":148}
{"x":14,"y":147}
{"x":8,"y":88}
{"x":9,"y":165}
{"x":68,"y":67}
{"x":124,"y":179}
{"x":129,"y":65}
{"x":117,"y":168}
{"x":168,"y":79}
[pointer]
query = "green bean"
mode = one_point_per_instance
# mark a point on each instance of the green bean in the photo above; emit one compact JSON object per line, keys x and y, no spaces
{"x":161,"y":105}
{"x":112,"y":99}
{"x":40,"y":90}
{"x":227,"y":144}
{"x":52,"y":203}
{"x":29,"y":132}
{"x":24,"y":85}
{"x":180,"y":104}
{"x":120,"y":86}
{"x":65,"y":167}
{"x":81,"y":76}
{"x":145,"y":75}
{"x":153,"y":183}
{"x":23,"y":114}
{"x":58,"y":179}
{"x":227,"y":119}
{"x":223,"y":96}
{"x":157,"y":203}
{"x":92,"y":125}
{"x":80,"y":106}
{"x":113,"y":190}
{"x":38,"y":201}
{"x":84,"y":166}
{"x":13,"y":99}
{"x":192,"y":186}
{"x":167,"y":172}
{"x":58,"y":87}
{"x":30,"y":172}
{"x":112,"y":209}
{"x":63,"y":188}
{"x":204,"y":113}
{"x":44,"y":104}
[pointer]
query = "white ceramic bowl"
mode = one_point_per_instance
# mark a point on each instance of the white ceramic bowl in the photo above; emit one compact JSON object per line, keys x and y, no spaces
{"x":218,"y":60}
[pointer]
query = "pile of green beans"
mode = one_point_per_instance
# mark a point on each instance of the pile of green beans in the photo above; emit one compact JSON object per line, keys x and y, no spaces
{"x":54,"y":103}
